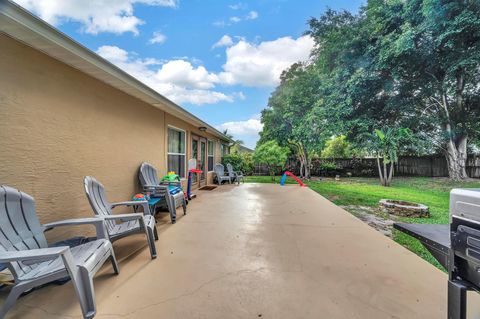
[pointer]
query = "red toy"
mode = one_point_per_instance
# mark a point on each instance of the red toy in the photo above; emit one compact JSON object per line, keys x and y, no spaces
{"x":287,"y":173}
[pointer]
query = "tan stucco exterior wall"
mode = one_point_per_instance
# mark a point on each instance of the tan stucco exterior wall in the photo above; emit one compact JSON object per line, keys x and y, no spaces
{"x":57,"y":125}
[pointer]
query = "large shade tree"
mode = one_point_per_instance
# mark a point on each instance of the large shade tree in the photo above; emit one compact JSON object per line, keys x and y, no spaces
{"x":412,"y":64}
{"x":289,"y":118}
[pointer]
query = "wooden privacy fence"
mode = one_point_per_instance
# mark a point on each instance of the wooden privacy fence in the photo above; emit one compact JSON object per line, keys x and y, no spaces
{"x":428,"y":166}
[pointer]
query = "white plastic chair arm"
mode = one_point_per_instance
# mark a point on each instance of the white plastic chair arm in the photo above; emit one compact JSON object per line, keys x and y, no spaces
{"x":124,"y":217}
{"x":129,"y":203}
{"x":98,"y":223}
{"x":33,"y":254}
{"x":143,"y":203}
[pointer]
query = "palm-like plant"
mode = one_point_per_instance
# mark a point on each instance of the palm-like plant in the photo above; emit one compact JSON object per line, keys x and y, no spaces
{"x":236,"y":143}
{"x":386,"y":144}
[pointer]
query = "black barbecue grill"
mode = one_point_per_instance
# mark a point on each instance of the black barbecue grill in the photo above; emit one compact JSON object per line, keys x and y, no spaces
{"x":456,"y":247}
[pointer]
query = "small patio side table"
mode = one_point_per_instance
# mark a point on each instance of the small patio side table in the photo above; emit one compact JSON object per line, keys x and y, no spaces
{"x":152,"y":205}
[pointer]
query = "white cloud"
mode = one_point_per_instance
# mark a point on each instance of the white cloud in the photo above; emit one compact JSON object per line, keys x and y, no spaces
{"x":247,"y":131}
{"x":184,"y":74}
{"x":182,"y":80}
{"x":116,"y":16}
{"x":178,"y":80}
{"x":261,"y":64}
{"x":219,"y":23}
{"x":250,"y":127}
{"x":158,"y":37}
{"x":252,"y":15}
{"x":240,"y":95}
{"x":235,"y":19}
{"x":193,"y":60}
{"x":238,"y":6}
{"x":224,"y":41}
{"x":113,"y":54}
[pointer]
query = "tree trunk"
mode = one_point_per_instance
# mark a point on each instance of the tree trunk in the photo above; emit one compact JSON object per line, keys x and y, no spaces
{"x":304,"y":168}
{"x":307,"y":170}
{"x":382,"y":180}
{"x":456,"y":148}
{"x":456,"y":155}
{"x":385,"y":174}
{"x":272,"y":173}
{"x":390,"y":175}
{"x":306,"y":163}
{"x":302,"y":156}
{"x":301,"y":168}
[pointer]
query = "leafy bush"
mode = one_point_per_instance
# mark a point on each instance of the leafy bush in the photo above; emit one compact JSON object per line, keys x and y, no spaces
{"x":247,"y":163}
{"x":328,"y":166}
{"x":328,"y":169}
{"x":337,"y":147}
{"x":272,"y":155}
{"x":235,"y":159}
{"x":240,"y":161}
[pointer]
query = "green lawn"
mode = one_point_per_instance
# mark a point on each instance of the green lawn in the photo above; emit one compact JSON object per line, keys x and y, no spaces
{"x":433,"y":192}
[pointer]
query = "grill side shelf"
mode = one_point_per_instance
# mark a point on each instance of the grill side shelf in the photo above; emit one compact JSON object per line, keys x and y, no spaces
{"x":434,"y":237}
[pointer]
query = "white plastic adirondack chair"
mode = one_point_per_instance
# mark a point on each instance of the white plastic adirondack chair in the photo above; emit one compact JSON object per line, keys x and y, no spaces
{"x":236,"y":176}
{"x":150,"y":183}
{"x":129,"y":223}
{"x":24,"y":248}
{"x":220,"y":173}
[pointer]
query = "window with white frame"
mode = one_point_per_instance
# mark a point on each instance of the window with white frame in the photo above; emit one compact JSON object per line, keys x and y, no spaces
{"x":176,"y":151}
{"x":211,"y":155}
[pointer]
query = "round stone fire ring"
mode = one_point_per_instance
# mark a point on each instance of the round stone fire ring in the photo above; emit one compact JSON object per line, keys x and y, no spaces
{"x":404,"y":208}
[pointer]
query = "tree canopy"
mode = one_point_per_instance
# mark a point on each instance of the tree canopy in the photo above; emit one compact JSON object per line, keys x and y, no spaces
{"x":272,"y":155}
{"x":398,"y":64}
{"x":337,"y":147}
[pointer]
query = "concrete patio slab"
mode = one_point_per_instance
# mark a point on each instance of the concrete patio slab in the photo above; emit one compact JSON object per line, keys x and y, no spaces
{"x":257,"y":251}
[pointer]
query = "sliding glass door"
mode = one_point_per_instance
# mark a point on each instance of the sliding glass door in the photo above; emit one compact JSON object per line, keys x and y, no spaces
{"x":199,"y":152}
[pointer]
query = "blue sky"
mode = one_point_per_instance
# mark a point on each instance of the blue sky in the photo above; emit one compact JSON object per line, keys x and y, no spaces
{"x":218,"y":59}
